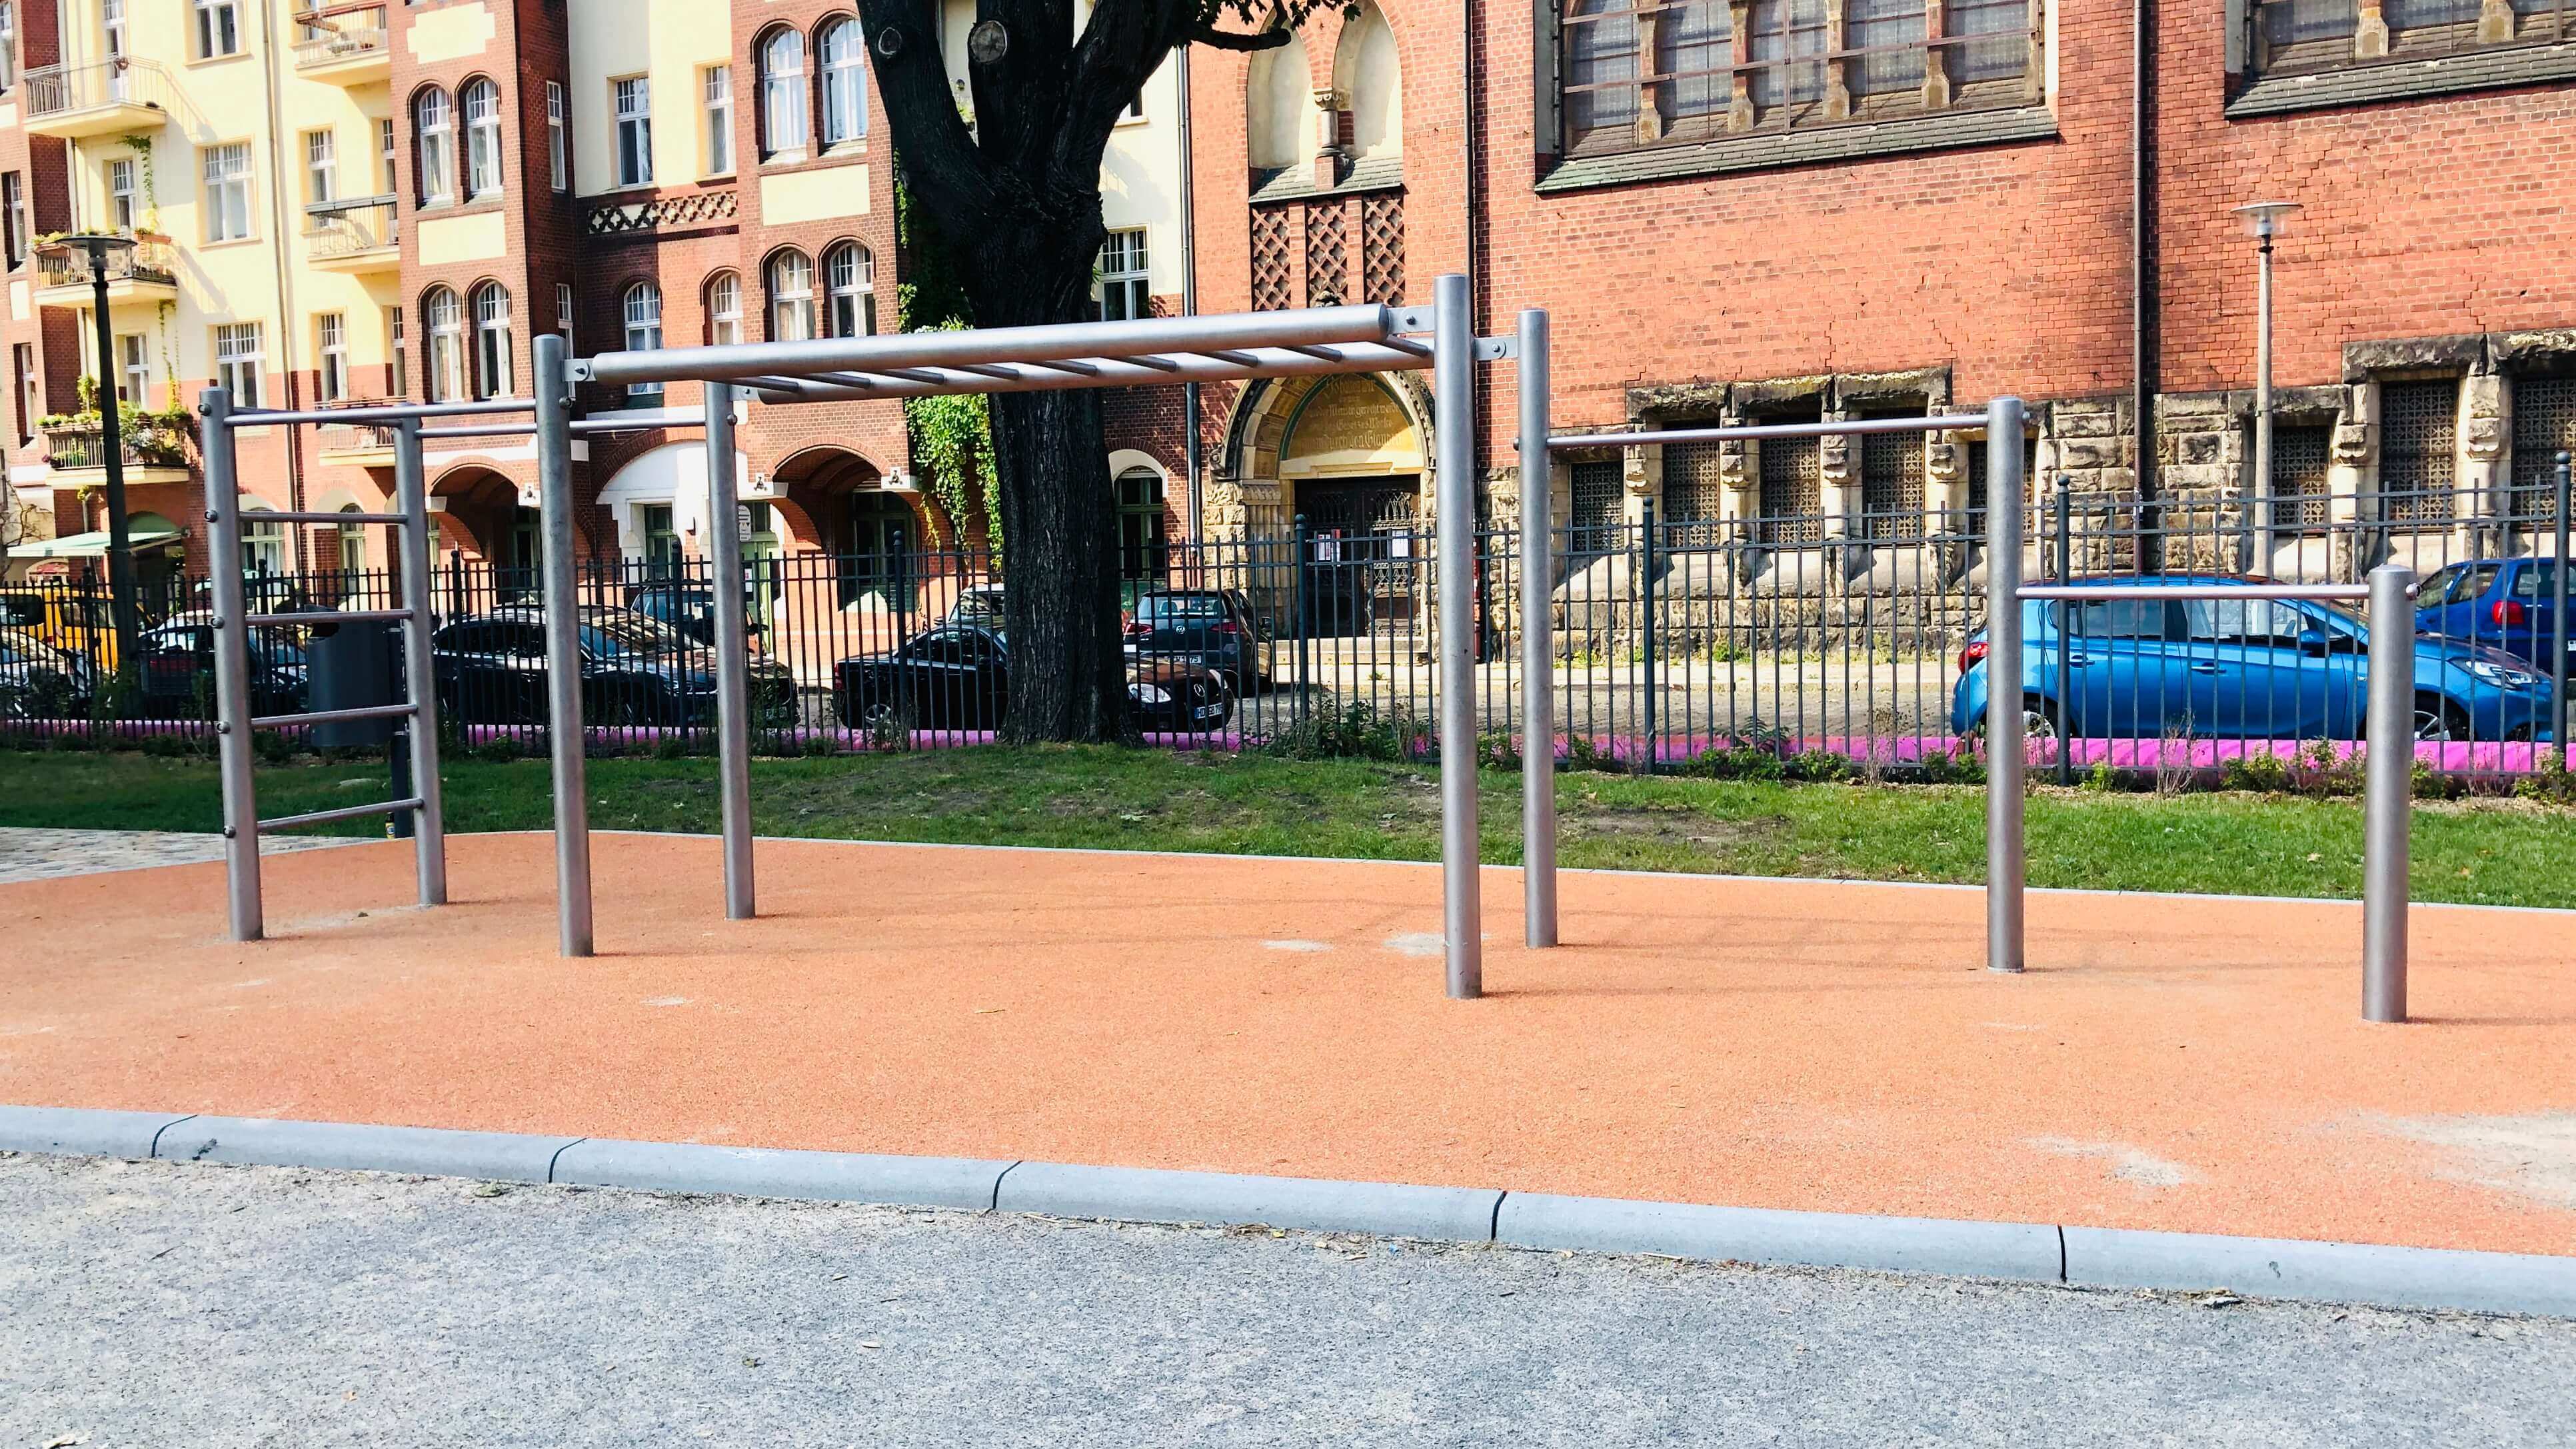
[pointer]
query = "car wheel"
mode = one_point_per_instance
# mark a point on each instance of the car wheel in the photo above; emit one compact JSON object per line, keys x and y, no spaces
{"x":888,"y":714}
{"x":2437,"y":719}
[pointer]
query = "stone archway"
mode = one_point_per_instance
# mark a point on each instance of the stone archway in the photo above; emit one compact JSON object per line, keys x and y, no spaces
{"x":1310,"y":432}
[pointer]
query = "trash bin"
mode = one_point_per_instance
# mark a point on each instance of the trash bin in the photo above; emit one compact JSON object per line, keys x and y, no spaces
{"x":352,"y":666}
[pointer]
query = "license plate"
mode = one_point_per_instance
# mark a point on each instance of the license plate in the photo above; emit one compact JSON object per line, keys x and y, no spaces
{"x":1208,"y":711}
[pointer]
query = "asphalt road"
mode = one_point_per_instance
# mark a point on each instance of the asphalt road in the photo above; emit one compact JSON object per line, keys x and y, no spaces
{"x":171,"y":1304}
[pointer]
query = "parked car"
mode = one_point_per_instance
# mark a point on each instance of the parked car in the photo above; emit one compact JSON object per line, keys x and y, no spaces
{"x":39,"y":681}
{"x":491,"y":669}
{"x":2241,"y":669}
{"x":688,"y":609}
{"x":75,"y":620}
{"x":956,"y":677}
{"x":1211,"y":628}
{"x":178,"y":668}
{"x":979,"y":607}
{"x":2501,"y":603}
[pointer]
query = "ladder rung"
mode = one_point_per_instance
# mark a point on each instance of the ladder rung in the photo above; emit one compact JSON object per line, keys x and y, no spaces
{"x":345,"y":812}
{"x":335,"y":716}
{"x":266,"y":516}
{"x":317,"y":618}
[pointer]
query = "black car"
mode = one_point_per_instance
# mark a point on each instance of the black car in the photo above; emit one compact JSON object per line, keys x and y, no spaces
{"x":957,"y":677}
{"x":634,"y":671}
{"x":178,"y":668}
{"x":39,"y":681}
{"x":1211,"y":628}
{"x":687,"y":609}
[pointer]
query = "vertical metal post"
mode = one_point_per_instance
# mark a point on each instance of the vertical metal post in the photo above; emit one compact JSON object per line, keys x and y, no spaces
{"x":232,"y":666}
{"x":2558,"y":620}
{"x":563,"y":649}
{"x":1301,"y":611}
{"x":2059,"y":613}
{"x":1453,"y":381}
{"x":411,"y":499}
{"x":2388,"y":793}
{"x":2006,"y":760}
{"x":733,"y":653}
{"x":2263,"y":406}
{"x":1538,"y":642}
{"x":1648,"y":565}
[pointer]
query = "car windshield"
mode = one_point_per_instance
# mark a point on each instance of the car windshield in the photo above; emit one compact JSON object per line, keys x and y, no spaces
{"x":615,"y":634}
{"x":2540,"y":581}
{"x":1181,"y":608}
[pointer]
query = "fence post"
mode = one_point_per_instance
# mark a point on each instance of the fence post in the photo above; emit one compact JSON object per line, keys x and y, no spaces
{"x":2389,"y":789}
{"x":1538,"y":643}
{"x":1453,"y":392}
{"x":562,"y":590}
{"x":2059,"y":612}
{"x":232,"y":665}
{"x":733,"y":653}
{"x":2558,"y":619}
{"x":2006,"y":758}
{"x":420,"y":669}
{"x":1647,"y":568}
{"x":1300,"y":616}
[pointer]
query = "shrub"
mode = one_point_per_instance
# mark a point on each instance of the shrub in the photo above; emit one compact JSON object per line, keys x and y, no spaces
{"x":1582,"y":754}
{"x":1736,"y":760}
{"x":1356,"y":732}
{"x":1957,"y":765}
{"x":1818,"y":767}
{"x":2100,"y":780}
{"x":671,"y":747}
{"x":1497,"y":750}
{"x":499,"y":751}
{"x":272,"y":747}
{"x":2261,"y":771}
{"x":820,"y":745}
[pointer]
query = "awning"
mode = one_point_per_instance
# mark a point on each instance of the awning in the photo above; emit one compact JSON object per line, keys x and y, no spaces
{"x":94,"y":545}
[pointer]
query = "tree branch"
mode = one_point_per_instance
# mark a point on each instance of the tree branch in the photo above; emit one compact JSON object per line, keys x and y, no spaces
{"x":939,"y":156}
{"x":1233,"y":40}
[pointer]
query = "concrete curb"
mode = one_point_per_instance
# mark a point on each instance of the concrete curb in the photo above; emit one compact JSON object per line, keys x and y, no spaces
{"x":2399,"y":1277}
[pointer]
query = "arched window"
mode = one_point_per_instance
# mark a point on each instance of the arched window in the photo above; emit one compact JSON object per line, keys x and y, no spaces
{"x":845,"y":81}
{"x":481,"y":103}
{"x":1366,"y":71}
{"x":643,"y":331}
{"x":724,"y":309}
{"x":850,"y":282}
{"x":445,"y":379}
{"x":783,"y":126}
{"x":434,"y":141}
{"x":791,"y":297}
{"x":492,"y":362}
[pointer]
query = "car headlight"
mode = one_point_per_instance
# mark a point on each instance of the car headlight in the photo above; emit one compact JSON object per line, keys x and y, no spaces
{"x":2503,"y":676}
{"x":1149,"y":693}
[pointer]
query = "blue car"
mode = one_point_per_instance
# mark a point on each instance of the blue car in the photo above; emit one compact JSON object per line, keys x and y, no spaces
{"x":2502,"y":603}
{"x":2240,"y":669}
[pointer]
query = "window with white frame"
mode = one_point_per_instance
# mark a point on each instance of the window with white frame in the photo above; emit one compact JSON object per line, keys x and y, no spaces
{"x":492,"y":358}
{"x":321,"y":167}
{"x":563,"y":315}
{"x":263,"y":543}
{"x":134,"y":359}
{"x":724,"y":309}
{"x":643,"y":334}
{"x":13,"y":217}
{"x":239,"y":361}
{"x":400,"y":348}
{"x":331,"y":338}
{"x":717,"y":85}
{"x":1125,"y":289}
{"x":845,"y":82}
{"x":783,"y":123}
{"x":31,"y":388}
{"x":121,"y":208}
{"x":850,"y":283}
{"x":8,"y":45}
{"x":218,"y":28}
{"x":388,"y":165}
{"x":2291,"y":36}
{"x":444,"y":378}
{"x":791,"y":297}
{"x":111,"y":29}
{"x":480,"y":100}
{"x":634,"y":104}
{"x":434,"y":141}
{"x":558,"y":154}
{"x":227,"y":208}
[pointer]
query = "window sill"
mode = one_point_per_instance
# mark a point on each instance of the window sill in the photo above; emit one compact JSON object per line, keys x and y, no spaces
{"x":2363,"y":84}
{"x":477,"y":207}
{"x":227,"y":243}
{"x":1779,"y":149}
{"x":804,"y":161}
{"x":1291,"y":183}
{"x":202,"y":60}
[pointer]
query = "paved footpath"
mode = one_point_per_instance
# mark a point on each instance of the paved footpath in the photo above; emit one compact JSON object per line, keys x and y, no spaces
{"x":176,"y":1304}
{"x":31,"y":853}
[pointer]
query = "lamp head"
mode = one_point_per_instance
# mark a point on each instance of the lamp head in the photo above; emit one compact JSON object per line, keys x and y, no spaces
{"x":2263,"y":219}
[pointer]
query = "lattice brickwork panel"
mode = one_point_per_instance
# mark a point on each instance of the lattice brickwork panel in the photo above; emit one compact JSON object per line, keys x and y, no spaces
{"x":1382,"y":249}
{"x":1273,"y":284}
{"x":1328,"y":266}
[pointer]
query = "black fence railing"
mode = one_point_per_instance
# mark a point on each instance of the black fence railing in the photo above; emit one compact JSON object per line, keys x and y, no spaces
{"x":1854,"y":635}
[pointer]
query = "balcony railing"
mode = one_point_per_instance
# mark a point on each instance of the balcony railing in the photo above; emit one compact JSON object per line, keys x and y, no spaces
{"x":84,"y":445}
{"x":61,"y":89}
{"x":356,"y":437}
{"x":347,"y":35}
{"x":156,"y":263}
{"x":352,"y":229}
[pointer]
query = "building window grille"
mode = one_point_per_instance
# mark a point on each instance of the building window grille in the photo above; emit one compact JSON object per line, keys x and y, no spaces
{"x":2419,"y":429}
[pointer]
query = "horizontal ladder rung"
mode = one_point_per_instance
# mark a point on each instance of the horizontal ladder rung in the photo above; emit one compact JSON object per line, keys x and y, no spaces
{"x":316,"y":618}
{"x":335,"y":716}
{"x":268,"y":516}
{"x":345,"y":812}
{"x":2194,"y":591}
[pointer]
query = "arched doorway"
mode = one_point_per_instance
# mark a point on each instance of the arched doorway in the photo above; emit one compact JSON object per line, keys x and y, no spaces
{"x":488,"y":525}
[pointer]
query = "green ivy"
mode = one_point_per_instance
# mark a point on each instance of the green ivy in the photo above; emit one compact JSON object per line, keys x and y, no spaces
{"x":952,"y":437}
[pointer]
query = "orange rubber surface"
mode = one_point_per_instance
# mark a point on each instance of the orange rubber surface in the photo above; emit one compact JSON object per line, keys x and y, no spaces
{"x":2173,"y":1063}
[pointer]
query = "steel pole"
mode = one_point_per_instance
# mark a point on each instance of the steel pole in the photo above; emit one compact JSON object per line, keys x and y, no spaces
{"x":122,"y":614}
{"x":2006,"y":761}
{"x":2263,"y":407}
{"x":733,"y":651}
{"x":564,"y":728}
{"x":2389,"y":788}
{"x":1453,"y":377}
{"x":411,"y":498}
{"x":2064,"y":645}
{"x":232,"y":666}
{"x":2558,"y":616}
{"x":1538,"y":641}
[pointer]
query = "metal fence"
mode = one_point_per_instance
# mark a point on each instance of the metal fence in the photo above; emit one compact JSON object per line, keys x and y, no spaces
{"x":1679,"y":643}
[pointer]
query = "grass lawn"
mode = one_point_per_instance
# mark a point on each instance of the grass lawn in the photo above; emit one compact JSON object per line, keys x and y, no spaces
{"x":2497,"y":852}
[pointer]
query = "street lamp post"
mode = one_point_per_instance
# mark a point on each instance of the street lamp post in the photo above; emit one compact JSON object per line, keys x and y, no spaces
{"x":106,"y":255}
{"x":2262,"y":220}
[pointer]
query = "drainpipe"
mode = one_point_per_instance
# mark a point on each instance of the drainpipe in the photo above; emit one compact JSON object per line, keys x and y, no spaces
{"x":2143,"y":299}
{"x":286,"y":338}
{"x":1189,"y":296}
